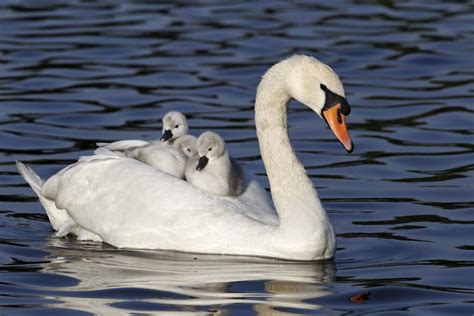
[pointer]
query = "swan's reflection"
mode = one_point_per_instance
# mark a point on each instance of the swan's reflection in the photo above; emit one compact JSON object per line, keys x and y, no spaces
{"x":186,"y":282}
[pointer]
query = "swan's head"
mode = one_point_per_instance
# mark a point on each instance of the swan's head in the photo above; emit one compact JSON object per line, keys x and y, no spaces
{"x":174,"y":126}
{"x":187,"y":144}
{"x":210,"y":146}
{"x":316,"y":85}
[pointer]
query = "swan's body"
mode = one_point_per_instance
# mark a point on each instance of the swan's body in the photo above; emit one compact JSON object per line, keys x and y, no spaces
{"x":129,"y":204}
{"x":213,"y":170}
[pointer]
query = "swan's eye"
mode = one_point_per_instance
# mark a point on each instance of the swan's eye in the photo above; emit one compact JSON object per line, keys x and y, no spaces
{"x":176,"y":126}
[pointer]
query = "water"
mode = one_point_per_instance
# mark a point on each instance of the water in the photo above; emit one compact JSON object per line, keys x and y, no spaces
{"x":74,"y":73}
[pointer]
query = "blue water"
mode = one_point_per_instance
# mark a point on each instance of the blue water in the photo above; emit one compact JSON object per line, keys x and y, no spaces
{"x":73,"y":73}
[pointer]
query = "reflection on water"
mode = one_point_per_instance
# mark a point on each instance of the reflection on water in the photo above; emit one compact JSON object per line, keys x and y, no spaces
{"x":77,"y":72}
{"x":137,"y":280}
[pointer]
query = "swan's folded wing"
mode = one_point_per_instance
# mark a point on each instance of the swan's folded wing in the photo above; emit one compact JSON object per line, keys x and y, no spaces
{"x":105,"y":194}
{"x":123,"y":145}
{"x":262,"y":209}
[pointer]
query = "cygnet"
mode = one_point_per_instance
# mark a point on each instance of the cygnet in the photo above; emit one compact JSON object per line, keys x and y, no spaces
{"x":175,"y":126}
{"x":212,"y":169}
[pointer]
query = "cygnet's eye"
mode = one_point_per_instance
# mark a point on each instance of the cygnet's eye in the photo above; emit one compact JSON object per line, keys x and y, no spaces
{"x":210,"y":148}
{"x":176,"y":126}
{"x":188,"y":149}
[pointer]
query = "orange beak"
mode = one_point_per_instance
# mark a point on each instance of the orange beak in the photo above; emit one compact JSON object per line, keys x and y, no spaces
{"x":337,"y":122}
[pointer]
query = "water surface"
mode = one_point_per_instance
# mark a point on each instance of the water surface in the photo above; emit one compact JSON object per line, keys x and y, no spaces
{"x":74,"y":73}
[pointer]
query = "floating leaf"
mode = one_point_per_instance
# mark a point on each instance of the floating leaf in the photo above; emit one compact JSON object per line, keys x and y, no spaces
{"x":360,"y":298}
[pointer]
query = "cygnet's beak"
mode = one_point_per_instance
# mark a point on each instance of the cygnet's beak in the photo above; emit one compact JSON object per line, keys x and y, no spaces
{"x":337,"y":122}
{"x":202,"y":163}
{"x":166,"y":135}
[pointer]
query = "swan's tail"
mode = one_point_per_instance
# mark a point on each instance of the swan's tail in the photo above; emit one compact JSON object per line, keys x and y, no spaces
{"x":59,"y":218}
{"x":31,"y":177}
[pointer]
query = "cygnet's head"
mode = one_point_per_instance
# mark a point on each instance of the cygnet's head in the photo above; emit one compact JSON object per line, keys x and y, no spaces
{"x":187,"y":144}
{"x":174,"y":126}
{"x":210,"y":146}
{"x":317,"y":86}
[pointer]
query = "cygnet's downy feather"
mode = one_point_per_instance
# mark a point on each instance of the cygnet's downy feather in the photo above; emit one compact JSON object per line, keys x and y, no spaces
{"x":169,"y":159}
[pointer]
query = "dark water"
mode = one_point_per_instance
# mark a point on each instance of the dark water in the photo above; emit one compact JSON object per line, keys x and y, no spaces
{"x":74,"y":73}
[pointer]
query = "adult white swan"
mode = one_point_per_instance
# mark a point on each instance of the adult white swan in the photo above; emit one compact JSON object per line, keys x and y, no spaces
{"x":129,"y":204}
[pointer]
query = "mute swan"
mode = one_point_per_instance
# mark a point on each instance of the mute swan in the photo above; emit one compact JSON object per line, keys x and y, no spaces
{"x":175,"y":126}
{"x":213,"y":170}
{"x":129,"y":204}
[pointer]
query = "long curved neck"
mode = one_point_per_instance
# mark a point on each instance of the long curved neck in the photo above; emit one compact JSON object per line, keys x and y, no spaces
{"x":296,"y":201}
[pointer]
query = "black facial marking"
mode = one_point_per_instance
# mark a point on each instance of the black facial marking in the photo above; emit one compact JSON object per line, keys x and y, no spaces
{"x":332,"y":99}
{"x":339,"y":118}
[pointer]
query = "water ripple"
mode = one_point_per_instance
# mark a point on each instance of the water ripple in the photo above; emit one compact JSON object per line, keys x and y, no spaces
{"x":77,"y":72}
